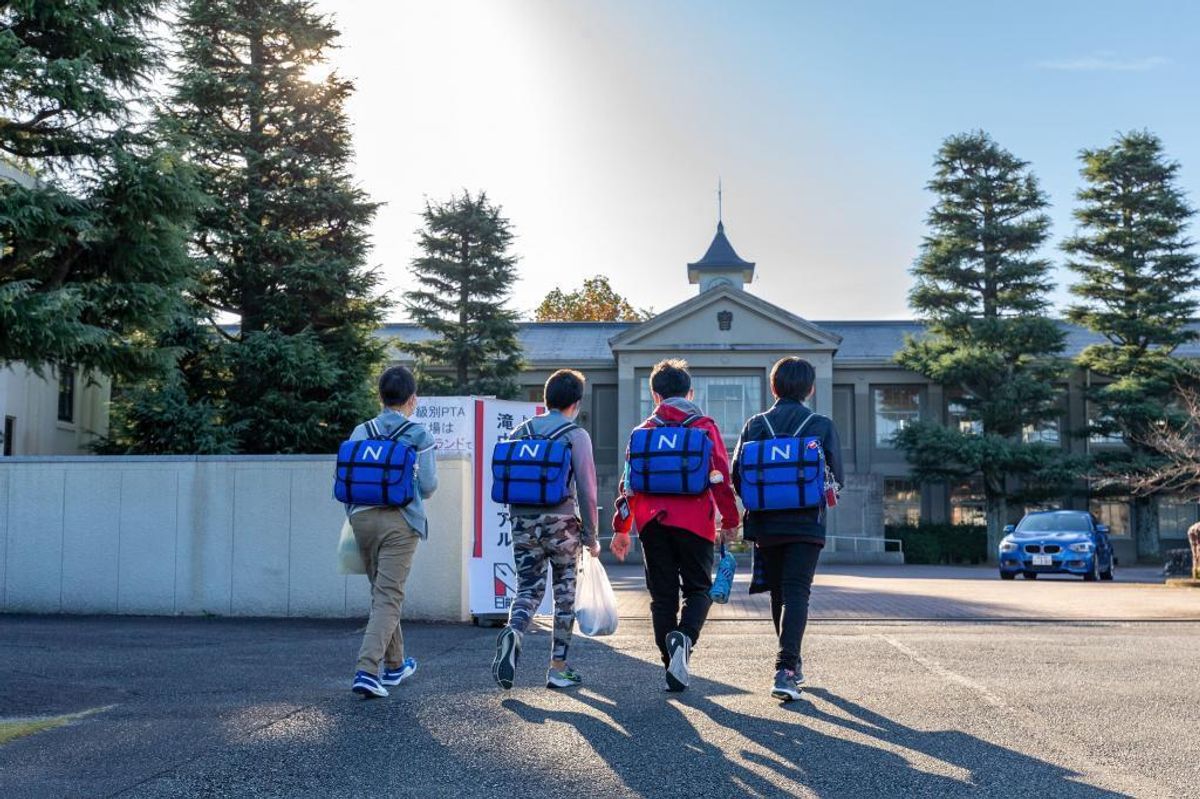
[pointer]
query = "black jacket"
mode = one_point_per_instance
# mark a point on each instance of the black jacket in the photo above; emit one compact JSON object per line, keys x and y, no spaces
{"x":785,"y":416}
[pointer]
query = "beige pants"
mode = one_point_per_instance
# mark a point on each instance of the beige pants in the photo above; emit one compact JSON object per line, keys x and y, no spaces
{"x":387,"y":543}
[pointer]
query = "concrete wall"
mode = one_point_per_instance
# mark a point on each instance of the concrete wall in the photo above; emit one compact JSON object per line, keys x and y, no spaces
{"x":241,"y":536}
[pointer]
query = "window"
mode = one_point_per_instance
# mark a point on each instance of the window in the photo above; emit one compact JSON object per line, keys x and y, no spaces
{"x":10,"y":432}
{"x":1042,"y":433}
{"x":1114,"y":513}
{"x":896,"y":407}
{"x":968,"y":504}
{"x":901,"y":502}
{"x":1109,"y":437}
{"x":1175,"y":516}
{"x":956,"y":417}
{"x":729,"y":399}
{"x":843,"y":419}
{"x":66,"y":394}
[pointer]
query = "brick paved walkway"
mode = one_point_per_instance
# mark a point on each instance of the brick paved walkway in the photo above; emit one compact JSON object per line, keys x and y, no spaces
{"x":859,"y":593}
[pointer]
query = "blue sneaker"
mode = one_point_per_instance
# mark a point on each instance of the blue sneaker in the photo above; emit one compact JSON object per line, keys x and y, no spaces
{"x":397,"y":676}
{"x":788,"y":685}
{"x":367,"y":685}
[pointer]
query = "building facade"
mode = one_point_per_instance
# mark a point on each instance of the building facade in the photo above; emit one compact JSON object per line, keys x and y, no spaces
{"x":59,"y":412}
{"x":731,"y":338}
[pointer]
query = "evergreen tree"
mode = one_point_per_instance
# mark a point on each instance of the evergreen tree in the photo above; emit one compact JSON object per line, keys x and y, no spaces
{"x":280,"y":244}
{"x":92,"y":209}
{"x":981,"y":289}
{"x":1137,"y":278}
{"x":466,"y":273}
{"x":595,"y":301}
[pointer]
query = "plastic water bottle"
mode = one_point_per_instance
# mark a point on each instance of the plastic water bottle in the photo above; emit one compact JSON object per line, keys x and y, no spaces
{"x":723,"y":583}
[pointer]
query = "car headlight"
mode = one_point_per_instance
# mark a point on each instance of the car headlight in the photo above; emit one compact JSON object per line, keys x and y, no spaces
{"x":1082,"y":546}
{"x":1008,"y":546}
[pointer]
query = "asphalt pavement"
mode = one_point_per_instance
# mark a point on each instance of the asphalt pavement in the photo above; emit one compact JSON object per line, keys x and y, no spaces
{"x":218,"y":707}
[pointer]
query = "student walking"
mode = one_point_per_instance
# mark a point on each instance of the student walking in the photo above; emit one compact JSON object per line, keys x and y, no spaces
{"x":387,"y":534}
{"x":552,"y":506}
{"x":788,"y":526}
{"x":676,"y":480}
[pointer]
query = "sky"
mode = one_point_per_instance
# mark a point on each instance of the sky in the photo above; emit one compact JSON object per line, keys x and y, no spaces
{"x":602,"y":127}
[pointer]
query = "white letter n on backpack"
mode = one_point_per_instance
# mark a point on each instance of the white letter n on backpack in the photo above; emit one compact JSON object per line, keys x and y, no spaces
{"x":372,"y":452}
{"x":778,"y":452}
{"x":529,"y":450}
{"x":672,"y":442}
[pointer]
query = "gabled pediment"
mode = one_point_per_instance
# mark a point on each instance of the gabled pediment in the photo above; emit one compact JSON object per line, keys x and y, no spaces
{"x":753,"y":323}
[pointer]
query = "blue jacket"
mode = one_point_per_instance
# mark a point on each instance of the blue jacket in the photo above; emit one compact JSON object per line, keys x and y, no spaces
{"x":420,"y":439}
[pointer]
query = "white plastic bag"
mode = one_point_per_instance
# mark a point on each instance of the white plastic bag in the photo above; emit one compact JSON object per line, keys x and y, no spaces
{"x":595,"y":602}
{"x":349,"y":558}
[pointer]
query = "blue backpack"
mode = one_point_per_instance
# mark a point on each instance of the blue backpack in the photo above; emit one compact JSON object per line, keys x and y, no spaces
{"x":783,"y":472}
{"x":530,"y":469}
{"x":378,"y":470}
{"x":669,"y":458}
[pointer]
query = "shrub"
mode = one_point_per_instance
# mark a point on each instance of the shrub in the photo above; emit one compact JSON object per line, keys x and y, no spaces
{"x":942,"y":543}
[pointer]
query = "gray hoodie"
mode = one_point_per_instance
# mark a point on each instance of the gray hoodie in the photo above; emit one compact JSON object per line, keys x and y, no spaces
{"x":420,"y":439}
{"x":582,"y":501}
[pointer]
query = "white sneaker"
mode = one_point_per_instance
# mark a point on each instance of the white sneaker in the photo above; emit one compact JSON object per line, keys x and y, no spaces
{"x":679,"y":648}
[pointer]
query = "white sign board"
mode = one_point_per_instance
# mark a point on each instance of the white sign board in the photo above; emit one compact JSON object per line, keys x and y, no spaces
{"x":472,"y":426}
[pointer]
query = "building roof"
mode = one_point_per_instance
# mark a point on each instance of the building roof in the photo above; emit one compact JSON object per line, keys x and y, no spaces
{"x":587,"y":343}
{"x":543,"y":342}
{"x":720,"y":257}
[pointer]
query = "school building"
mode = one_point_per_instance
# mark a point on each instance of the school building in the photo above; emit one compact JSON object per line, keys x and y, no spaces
{"x":731,"y":338}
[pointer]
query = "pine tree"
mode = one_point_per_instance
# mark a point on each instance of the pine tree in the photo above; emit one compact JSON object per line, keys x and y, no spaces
{"x":92,"y":208}
{"x":1137,"y":278}
{"x":981,"y":289}
{"x":281,"y":242}
{"x":466,"y":273}
{"x":595,"y":301}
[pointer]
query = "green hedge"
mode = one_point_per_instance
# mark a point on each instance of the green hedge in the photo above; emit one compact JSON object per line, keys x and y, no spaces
{"x":942,"y":543}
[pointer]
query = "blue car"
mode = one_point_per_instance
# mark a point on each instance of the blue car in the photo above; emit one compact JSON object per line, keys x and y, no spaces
{"x":1057,"y":542}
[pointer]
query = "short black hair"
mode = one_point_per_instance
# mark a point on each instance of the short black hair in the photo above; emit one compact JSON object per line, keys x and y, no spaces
{"x":793,"y":378}
{"x":563,"y":389}
{"x":670,"y":378}
{"x":396,"y":385}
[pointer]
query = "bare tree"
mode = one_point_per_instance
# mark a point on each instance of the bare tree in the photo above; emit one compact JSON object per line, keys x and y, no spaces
{"x":1177,"y":470}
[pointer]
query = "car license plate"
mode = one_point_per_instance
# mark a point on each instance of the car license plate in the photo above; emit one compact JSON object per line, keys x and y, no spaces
{"x":1043,"y":560}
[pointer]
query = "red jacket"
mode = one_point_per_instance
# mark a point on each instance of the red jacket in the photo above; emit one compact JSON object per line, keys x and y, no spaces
{"x":695,"y":513}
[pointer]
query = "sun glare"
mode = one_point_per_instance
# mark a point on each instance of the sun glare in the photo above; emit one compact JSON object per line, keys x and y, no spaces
{"x":318,"y":71}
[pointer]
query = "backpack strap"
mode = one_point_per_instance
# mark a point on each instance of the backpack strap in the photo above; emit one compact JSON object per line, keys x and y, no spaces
{"x":372,"y":429}
{"x":401,"y":430}
{"x":770,"y":427}
{"x":803,"y":424}
{"x":561,"y":430}
{"x":688,"y":422}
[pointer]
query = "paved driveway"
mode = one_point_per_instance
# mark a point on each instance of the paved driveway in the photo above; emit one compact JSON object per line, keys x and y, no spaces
{"x":863,"y":593}
{"x":260,"y":708}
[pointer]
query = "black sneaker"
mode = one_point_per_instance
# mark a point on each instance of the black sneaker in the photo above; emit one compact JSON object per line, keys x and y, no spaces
{"x":787,"y":685}
{"x":508,"y":649}
{"x":679,"y":649}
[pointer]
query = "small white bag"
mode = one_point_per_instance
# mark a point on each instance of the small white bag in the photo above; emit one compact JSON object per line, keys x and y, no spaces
{"x":349,"y":558}
{"x":595,"y":602}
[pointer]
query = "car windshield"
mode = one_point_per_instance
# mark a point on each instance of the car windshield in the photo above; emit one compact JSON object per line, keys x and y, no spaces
{"x":1055,"y":522}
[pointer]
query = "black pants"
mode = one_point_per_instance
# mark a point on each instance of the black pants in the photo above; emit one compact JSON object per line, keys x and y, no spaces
{"x":677,"y":561}
{"x":789,"y":569}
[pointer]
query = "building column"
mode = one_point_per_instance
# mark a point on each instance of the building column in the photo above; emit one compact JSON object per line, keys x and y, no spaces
{"x":823,"y":399}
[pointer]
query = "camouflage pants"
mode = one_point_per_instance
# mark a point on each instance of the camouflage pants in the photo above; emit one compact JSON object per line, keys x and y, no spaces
{"x":536,"y":540}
